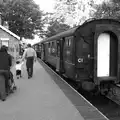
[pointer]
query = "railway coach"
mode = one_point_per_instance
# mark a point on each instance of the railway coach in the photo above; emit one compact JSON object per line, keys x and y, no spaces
{"x":37,"y":48}
{"x":88,"y":54}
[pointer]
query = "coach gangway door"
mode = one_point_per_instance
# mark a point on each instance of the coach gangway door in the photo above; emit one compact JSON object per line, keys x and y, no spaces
{"x":105,"y":53}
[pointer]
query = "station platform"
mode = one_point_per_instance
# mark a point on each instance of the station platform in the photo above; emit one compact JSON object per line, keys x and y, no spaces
{"x":41,"y":98}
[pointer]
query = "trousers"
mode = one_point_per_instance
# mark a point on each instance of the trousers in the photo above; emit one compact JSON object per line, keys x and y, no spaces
{"x":8,"y":79}
{"x":29,"y":65}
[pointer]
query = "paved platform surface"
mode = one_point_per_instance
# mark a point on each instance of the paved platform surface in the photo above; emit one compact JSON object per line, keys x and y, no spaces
{"x":38,"y":98}
{"x":85,"y":108}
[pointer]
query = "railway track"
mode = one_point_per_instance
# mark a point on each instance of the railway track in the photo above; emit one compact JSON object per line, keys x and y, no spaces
{"x":109,"y":108}
{"x":104,"y":104}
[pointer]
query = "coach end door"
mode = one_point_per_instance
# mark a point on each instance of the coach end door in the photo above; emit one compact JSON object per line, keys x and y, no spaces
{"x":106,"y":56}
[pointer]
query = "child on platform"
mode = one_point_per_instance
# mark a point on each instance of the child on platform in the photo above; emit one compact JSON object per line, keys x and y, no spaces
{"x":18,"y":69}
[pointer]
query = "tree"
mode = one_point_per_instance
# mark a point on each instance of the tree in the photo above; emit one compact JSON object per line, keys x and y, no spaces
{"x":56,"y":27}
{"x":109,"y":9}
{"x":23,"y":16}
{"x":73,"y":12}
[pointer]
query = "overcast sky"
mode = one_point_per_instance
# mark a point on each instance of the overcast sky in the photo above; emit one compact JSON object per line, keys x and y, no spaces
{"x":46,"y":5}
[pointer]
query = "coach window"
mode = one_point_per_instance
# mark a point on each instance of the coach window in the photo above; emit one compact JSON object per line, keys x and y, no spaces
{"x":0,"y":43}
{"x":39,"y":47}
{"x":36,"y":47}
{"x":69,"y":42}
{"x":53,"y":48}
{"x":42,"y":47}
{"x":66,"y":41}
{"x":70,"y":39}
{"x":49,"y":48}
{"x":50,"y":43}
{"x":69,"y":51}
{"x":58,"y":48}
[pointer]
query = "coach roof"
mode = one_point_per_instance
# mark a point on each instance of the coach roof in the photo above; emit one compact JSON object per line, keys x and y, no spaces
{"x":63,"y":34}
{"x":71,"y":31}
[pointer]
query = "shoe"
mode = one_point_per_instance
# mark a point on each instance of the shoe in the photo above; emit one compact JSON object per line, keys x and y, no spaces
{"x":29,"y":77}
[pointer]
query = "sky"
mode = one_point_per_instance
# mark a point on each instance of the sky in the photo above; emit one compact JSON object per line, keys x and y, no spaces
{"x":36,"y":40}
{"x":46,"y":5}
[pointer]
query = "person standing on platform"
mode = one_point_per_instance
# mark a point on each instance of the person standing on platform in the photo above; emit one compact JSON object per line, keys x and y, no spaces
{"x":30,"y":56}
{"x":4,"y":66}
{"x":18,"y":67}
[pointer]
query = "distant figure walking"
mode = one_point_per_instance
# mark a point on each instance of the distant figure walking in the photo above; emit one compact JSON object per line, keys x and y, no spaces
{"x":30,"y":56}
{"x":18,"y":68}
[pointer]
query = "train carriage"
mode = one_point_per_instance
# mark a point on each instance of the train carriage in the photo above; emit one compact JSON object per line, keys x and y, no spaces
{"x":88,"y":54}
{"x":37,"y":48}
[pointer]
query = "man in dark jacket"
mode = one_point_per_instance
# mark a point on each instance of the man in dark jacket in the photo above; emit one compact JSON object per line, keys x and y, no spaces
{"x":5,"y":64}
